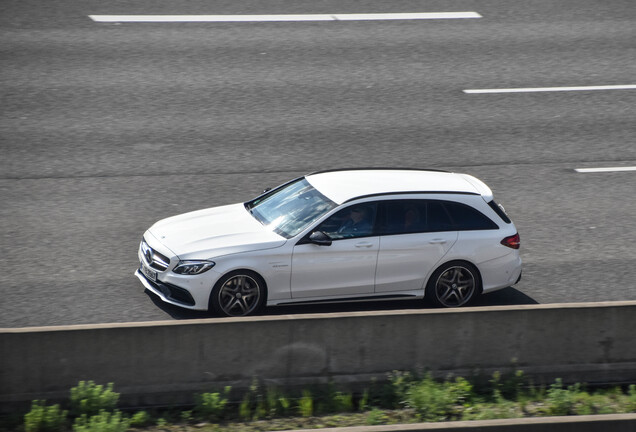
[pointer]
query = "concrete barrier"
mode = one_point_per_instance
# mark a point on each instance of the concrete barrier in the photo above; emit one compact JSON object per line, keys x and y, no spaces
{"x":167,"y":362}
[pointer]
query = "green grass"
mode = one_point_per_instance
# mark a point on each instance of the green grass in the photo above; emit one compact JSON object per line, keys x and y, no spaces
{"x":405,"y":398}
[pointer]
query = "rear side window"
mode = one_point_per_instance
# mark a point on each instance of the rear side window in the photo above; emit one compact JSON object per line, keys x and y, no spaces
{"x":402,"y":217}
{"x":500,"y":211}
{"x":413,"y":216}
{"x":466,"y":218}
{"x":439,"y":218}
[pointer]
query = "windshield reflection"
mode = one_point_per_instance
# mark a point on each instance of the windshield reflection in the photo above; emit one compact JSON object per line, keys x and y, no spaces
{"x":291,"y":208}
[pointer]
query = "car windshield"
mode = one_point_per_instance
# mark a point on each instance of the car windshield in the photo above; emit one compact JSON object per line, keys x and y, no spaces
{"x":291,"y":208}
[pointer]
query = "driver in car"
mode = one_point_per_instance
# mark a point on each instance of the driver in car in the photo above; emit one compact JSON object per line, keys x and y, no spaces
{"x":358,"y":223}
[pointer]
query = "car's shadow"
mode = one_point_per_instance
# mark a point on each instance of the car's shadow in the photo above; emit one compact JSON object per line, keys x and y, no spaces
{"x":505,"y":297}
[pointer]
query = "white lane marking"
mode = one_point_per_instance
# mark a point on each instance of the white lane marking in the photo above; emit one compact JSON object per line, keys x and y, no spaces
{"x":552,"y":89}
{"x":270,"y":18}
{"x":406,"y":16}
{"x":601,"y":170}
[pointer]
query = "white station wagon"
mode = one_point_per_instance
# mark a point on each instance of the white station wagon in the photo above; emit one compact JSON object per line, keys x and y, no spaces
{"x":333,"y":236}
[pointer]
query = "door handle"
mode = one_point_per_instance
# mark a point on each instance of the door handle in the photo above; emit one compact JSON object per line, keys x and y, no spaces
{"x":437,"y":241}
{"x":364,"y":245}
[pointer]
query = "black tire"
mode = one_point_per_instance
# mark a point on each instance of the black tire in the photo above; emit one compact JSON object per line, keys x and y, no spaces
{"x":238,"y":293}
{"x":454,"y":284}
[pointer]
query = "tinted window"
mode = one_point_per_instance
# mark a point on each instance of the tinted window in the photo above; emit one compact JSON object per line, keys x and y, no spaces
{"x":467,"y":218}
{"x":438,"y":217}
{"x":500,"y":211}
{"x":354,"y":221}
{"x":402,"y":216}
{"x":412,"y":216}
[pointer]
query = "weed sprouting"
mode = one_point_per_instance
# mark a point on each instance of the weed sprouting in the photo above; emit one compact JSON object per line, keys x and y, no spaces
{"x":90,"y":399}
{"x":211,"y":406}
{"x":44,"y":418}
{"x":405,"y":397}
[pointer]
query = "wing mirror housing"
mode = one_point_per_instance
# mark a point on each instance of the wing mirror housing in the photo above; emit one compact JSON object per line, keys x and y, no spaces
{"x":320,"y":238}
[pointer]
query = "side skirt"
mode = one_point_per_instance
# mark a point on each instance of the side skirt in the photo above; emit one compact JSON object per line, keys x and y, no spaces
{"x":383,"y":297}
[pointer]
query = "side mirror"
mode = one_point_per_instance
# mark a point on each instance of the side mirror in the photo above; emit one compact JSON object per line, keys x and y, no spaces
{"x":320,"y":238}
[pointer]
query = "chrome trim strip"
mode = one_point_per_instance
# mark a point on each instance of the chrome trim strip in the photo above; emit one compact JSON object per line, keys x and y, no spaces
{"x":151,"y":257}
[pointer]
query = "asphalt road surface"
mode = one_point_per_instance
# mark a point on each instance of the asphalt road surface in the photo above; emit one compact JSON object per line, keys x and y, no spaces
{"x":107,"y":127}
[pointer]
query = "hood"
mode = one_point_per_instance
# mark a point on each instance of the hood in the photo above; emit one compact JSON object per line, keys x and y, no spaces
{"x":214,"y":232}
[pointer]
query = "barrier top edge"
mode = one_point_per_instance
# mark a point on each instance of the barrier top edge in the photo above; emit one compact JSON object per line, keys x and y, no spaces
{"x":567,"y":421}
{"x":335,"y":315}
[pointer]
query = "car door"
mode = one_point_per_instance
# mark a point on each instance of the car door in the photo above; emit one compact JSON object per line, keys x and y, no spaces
{"x":346,"y":267}
{"x":415,"y":236}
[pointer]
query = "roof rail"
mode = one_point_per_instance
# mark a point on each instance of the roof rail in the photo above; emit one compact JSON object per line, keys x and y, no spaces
{"x":381,"y":194}
{"x":377,"y":168}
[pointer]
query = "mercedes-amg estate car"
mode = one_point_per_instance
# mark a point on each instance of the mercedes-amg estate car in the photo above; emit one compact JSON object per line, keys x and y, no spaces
{"x":341,"y":235}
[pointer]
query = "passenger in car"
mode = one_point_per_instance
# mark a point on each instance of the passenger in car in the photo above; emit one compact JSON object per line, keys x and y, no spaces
{"x":411,"y":219}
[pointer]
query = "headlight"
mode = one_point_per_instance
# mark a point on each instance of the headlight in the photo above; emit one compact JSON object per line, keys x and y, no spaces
{"x":193,"y":267}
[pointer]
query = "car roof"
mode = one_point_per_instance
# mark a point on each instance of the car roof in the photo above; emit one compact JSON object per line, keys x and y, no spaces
{"x":344,"y":185}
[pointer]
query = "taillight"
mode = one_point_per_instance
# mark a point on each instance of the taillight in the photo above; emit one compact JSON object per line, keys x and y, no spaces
{"x":512,"y":241}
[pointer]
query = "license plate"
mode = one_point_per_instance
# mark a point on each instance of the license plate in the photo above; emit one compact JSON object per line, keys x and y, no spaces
{"x":150,"y":274}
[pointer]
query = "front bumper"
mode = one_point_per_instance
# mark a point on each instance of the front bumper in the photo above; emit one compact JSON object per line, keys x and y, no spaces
{"x":167,"y":292}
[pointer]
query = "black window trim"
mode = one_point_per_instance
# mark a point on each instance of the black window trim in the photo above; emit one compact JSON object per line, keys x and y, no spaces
{"x":495,"y":225}
{"x":502,"y":214}
{"x":376,"y":232}
{"x":443,"y":202}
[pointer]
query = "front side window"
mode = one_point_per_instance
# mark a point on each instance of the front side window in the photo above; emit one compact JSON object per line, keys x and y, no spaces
{"x":290,"y":208}
{"x":354,"y":221}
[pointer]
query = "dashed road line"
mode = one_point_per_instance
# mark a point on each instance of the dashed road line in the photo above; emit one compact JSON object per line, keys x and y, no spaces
{"x":282,"y":18}
{"x":604,"y":170}
{"x":552,"y":89}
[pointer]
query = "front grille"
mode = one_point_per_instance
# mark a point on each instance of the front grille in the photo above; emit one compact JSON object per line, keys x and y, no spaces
{"x":153,"y":258}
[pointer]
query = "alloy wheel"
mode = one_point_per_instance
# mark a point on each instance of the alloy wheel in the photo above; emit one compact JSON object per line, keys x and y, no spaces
{"x":455,"y":286}
{"x":239,"y":295}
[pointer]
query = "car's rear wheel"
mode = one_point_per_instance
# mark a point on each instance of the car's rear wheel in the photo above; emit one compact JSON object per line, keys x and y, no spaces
{"x":454,"y":284}
{"x":239,"y":293}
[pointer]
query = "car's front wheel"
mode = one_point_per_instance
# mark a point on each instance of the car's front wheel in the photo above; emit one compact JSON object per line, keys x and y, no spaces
{"x":454,"y":284}
{"x":239,"y":293}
